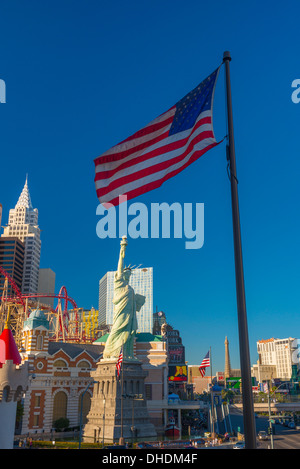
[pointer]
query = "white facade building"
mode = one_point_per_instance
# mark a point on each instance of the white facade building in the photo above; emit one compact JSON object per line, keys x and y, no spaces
{"x":23,"y":224}
{"x":281,"y":353}
{"x":141,"y":281}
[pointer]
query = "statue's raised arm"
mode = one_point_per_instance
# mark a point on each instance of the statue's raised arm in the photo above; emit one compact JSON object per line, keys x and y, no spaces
{"x":121,"y":256}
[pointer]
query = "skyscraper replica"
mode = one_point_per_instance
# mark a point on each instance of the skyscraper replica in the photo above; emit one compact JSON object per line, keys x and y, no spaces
{"x":23,"y":224}
{"x":142,"y":283}
{"x":12,"y":260}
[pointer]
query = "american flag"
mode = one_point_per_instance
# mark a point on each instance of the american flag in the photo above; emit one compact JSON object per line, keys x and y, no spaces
{"x":266,"y":388}
{"x":119,"y":362}
{"x":205,"y":363}
{"x":159,"y":151}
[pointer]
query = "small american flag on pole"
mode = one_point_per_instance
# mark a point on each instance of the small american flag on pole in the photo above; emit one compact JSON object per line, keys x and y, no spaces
{"x":161,"y":149}
{"x":119,"y":362}
{"x":205,"y":363}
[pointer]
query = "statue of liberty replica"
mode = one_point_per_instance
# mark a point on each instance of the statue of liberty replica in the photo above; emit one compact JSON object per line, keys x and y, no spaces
{"x":126,"y":304}
{"x":118,"y":409}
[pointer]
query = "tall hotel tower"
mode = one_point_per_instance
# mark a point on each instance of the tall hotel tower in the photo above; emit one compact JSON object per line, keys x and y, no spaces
{"x":141,"y":281}
{"x":23,"y":224}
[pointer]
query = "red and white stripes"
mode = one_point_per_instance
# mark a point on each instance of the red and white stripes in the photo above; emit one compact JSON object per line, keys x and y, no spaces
{"x":149,"y":157}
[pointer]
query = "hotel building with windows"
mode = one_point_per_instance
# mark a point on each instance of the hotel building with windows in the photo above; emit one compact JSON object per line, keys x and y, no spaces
{"x":141,"y":281}
{"x":280,"y":354}
{"x":12,"y":261}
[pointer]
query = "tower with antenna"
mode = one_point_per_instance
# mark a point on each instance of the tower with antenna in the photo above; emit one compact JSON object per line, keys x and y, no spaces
{"x":227,"y":371}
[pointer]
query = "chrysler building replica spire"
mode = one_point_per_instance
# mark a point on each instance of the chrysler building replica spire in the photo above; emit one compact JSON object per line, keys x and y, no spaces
{"x":23,"y":224}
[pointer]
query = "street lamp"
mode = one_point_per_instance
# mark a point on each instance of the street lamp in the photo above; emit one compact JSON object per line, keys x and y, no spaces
{"x":132,"y":428}
{"x":103,"y":422}
{"x":81,"y":405}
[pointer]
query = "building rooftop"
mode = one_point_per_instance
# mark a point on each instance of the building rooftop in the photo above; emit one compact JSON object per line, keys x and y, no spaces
{"x":73,"y":350}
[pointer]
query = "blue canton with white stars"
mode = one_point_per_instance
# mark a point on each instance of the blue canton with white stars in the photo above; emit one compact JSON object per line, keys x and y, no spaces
{"x":195,"y":102}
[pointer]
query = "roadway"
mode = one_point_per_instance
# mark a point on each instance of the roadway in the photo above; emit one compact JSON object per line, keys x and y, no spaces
{"x":284,"y":438}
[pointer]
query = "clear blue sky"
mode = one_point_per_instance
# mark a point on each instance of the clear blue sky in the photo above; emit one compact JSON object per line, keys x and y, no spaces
{"x":82,"y":76}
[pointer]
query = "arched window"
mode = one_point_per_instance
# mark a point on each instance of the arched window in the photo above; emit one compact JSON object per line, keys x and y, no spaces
{"x":5,"y":393}
{"x":60,"y":404}
{"x":39,"y":342}
{"x":60,"y":364}
{"x":84,"y":364}
{"x":86,"y":405}
{"x":18,"y":393}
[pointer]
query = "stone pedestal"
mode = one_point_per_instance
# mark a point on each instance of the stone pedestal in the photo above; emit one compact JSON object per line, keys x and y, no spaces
{"x":117,"y":412}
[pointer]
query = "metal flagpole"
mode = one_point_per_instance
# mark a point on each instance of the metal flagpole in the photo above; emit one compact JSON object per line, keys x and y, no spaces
{"x":212,"y":397}
{"x":248,"y":409}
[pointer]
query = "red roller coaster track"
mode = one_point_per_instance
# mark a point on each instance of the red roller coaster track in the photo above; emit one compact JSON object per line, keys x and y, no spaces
{"x":13,"y":284}
{"x":62,"y":295}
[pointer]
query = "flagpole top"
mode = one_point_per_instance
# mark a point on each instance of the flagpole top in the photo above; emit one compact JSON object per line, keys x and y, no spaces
{"x":226,"y":56}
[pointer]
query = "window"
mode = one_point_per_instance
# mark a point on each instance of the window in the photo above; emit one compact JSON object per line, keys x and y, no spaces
{"x":5,"y":394}
{"x":36,"y":419}
{"x":39,"y":342}
{"x":37,"y":401}
{"x":84,"y":364}
{"x":60,"y":406}
{"x":148,"y":392}
{"x":60,"y":364}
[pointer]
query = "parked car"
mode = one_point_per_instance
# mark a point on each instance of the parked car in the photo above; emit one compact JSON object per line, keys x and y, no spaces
{"x":292,"y":425}
{"x":239,"y":445}
{"x":262,"y":435}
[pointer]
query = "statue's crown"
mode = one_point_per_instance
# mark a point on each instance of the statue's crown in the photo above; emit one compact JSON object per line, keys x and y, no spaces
{"x":131,"y":267}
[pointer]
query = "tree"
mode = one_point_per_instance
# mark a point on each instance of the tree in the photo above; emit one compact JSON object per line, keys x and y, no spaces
{"x":227,"y":394}
{"x":61,"y":424}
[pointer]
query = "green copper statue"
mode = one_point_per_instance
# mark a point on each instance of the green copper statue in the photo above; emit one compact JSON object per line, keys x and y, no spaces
{"x":126,"y":304}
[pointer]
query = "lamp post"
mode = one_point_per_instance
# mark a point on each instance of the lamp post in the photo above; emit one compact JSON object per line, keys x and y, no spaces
{"x":270,"y":423}
{"x":132,"y":426}
{"x":103,"y":422}
{"x":81,"y":405}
